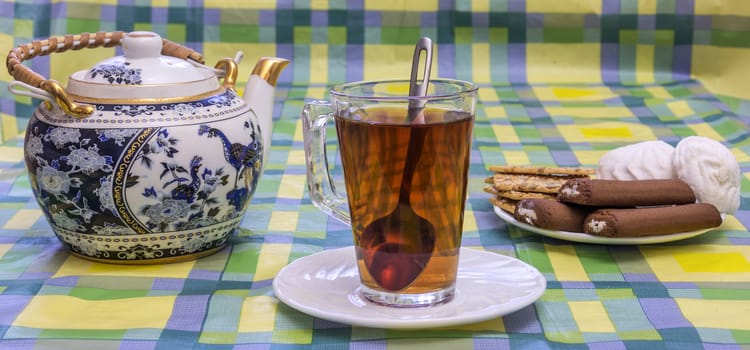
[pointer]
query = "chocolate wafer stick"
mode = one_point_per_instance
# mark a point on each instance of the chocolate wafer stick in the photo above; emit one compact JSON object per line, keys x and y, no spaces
{"x":652,"y":221}
{"x":623,"y":193}
{"x":551,"y":214}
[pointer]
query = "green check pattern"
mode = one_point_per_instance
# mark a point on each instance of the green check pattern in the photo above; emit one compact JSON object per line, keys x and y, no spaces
{"x":561,"y":84}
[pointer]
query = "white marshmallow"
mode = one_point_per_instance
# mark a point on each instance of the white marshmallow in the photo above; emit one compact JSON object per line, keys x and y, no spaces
{"x":711,"y":171}
{"x":646,"y":160}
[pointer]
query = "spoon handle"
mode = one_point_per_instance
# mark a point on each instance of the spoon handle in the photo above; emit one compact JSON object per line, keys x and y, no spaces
{"x":413,"y":153}
{"x":418,"y":86}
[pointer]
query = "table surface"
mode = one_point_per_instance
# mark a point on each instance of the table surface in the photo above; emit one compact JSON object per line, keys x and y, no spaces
{"x":683,"y":293}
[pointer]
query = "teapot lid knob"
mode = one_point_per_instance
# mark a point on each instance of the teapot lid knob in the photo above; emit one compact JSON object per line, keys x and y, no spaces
{"x":141,"y":45}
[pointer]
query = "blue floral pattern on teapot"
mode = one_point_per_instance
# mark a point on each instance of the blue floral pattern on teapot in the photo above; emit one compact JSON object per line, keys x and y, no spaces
{"x":123,"y":183}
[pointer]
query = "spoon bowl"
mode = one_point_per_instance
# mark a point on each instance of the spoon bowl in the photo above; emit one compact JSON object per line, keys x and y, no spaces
{"x":397,"y":246}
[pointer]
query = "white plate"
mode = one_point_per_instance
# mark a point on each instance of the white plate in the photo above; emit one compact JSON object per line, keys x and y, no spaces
{"x":489,"y":285}
{"x":587,"y":238}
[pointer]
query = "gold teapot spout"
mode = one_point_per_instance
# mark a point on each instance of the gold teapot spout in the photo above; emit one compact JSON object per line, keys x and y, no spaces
{"x":259,"y":94}
{"x":269,"y":68}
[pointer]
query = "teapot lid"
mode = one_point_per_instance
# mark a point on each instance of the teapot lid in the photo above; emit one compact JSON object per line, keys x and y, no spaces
{"x":143,"y":73}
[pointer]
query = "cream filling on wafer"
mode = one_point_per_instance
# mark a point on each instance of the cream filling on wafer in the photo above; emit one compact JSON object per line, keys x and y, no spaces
{"x":528,"y":215}
{"x":596,"y":226}
{"x":570,"y":189}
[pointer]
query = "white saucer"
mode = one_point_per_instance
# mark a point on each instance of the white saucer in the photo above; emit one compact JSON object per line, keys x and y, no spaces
{"x":489,"y":285}
{"x":587,"y":238}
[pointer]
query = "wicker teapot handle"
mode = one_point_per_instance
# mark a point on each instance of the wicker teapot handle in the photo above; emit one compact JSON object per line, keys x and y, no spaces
{"x":44,"y":47}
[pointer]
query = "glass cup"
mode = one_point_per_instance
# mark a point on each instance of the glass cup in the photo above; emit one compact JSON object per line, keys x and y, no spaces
{"x":405,"y":165}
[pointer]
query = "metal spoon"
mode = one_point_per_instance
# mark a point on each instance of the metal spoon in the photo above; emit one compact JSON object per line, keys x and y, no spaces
{"x":398,"y":246}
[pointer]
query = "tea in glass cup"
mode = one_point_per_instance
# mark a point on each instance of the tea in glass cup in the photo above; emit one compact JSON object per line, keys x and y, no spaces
{"x":405,"y":174}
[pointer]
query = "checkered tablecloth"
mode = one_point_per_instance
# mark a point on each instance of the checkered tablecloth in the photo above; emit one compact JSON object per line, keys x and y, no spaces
{"x":561,"y":83}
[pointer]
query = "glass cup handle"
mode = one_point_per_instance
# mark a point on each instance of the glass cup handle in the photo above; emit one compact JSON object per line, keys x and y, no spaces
{"x":320,"y":185}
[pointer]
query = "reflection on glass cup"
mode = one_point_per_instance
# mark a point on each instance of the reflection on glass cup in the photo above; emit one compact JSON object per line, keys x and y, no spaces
{"x":405,"y":173}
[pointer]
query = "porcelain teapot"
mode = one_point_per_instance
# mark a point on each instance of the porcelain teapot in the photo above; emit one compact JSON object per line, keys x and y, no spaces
{"x":148,"y":157}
